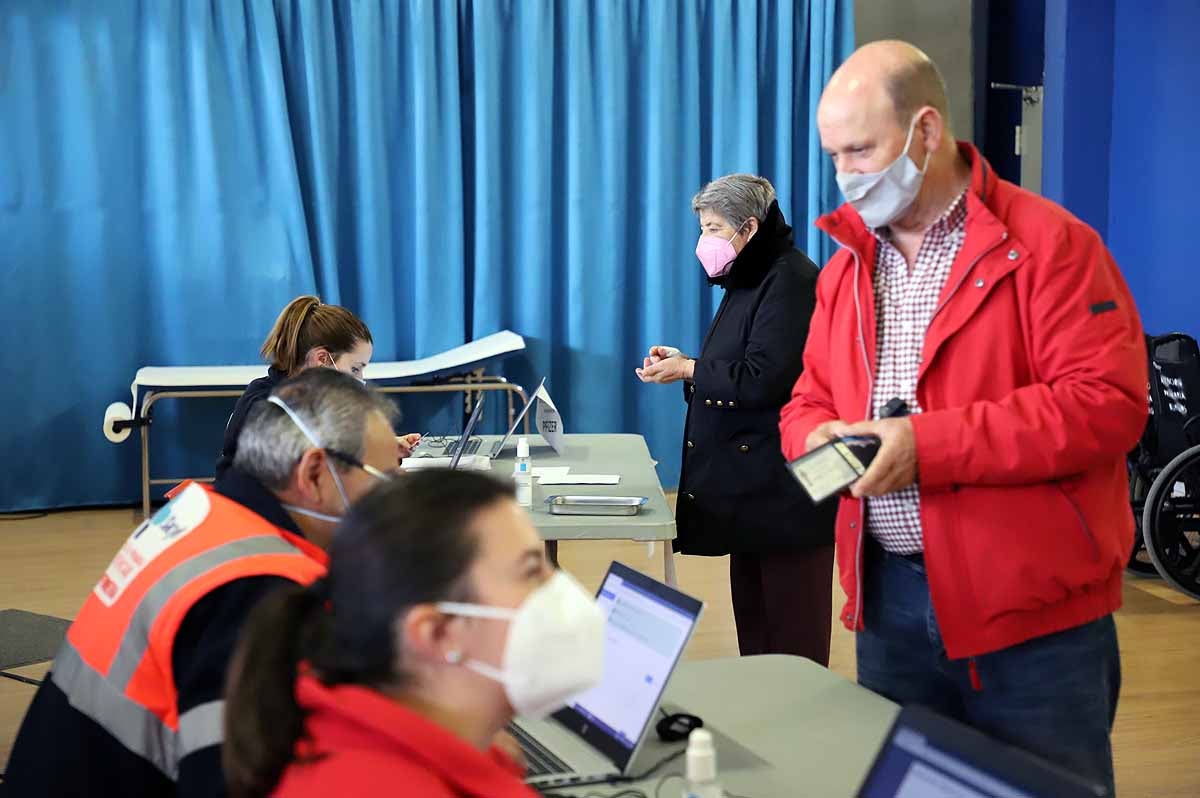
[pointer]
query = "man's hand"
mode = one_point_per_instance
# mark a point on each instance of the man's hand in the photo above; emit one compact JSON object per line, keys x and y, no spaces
{"x":407,"y":443}
{"x":825,"y":433}
{"x":895,"y":465}
{"x":666,"y":364}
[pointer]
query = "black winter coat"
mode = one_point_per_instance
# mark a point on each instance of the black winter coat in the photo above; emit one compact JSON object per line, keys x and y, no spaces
{"x":735,"y":492}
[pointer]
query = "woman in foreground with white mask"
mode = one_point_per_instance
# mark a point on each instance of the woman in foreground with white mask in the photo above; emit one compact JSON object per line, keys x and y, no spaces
{"x":439,"y":621}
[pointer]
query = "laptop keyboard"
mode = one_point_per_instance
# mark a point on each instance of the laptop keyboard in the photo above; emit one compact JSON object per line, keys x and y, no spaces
{"x":540,"y":761}
{"x":471,"y":448}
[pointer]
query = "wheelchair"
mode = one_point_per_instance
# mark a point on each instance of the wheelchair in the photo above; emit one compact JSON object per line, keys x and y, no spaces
{"x":1164,"y":468}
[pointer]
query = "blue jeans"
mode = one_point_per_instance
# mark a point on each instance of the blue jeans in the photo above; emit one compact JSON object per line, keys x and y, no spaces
{"x":1055,"y":696}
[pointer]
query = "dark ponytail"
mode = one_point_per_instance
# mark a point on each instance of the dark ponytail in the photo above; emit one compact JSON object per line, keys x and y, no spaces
{"x":262,"y":719}
{"x":411,"y":541}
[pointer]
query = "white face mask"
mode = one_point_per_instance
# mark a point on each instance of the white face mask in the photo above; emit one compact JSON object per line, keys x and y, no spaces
{"x":555,"y":646}
{"x":882,"y":197}
{"x":337,"y":480}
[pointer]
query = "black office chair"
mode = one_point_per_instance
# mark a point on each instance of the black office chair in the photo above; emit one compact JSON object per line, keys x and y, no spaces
{"x":1164,"y":468}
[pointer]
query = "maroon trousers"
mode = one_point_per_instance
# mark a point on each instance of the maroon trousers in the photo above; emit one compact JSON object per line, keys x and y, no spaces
{"x":782,"y":603}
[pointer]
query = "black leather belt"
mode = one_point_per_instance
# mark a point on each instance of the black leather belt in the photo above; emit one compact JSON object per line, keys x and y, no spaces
{"x":918,"y":558}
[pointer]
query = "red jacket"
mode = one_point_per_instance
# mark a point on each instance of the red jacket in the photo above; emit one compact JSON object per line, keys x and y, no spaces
{"x":1033,"y":383}
{"x":360,"y":742}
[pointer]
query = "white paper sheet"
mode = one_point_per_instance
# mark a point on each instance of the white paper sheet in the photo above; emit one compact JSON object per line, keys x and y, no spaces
{"x":470,"y":462}
{"x":582,"y":479}
{"x":549,"y":421}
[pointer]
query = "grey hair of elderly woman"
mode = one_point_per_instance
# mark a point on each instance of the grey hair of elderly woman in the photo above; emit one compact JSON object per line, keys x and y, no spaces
{"x":736,"y":198}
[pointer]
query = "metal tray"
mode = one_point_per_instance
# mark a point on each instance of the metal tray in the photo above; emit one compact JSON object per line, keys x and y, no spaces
{"x":595,"y":505}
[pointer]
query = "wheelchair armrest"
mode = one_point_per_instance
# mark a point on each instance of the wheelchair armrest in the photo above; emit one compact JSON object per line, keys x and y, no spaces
{"x":1191,"y":430}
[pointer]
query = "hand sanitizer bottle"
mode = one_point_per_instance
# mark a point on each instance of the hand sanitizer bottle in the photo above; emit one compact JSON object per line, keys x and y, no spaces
{"x":702,"y":767}
{"x":523,"y":474}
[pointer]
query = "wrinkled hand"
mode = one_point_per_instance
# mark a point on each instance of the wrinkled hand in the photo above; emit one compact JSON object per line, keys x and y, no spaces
{"x":408,"y":443}
{"x":895,"y":465}
{"x":511,"y":748}
{"x":825,"y":433}
{"x":665,"y":364}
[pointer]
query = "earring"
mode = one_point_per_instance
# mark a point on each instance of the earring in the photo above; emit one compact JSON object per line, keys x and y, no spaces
{"x":453,"y":656}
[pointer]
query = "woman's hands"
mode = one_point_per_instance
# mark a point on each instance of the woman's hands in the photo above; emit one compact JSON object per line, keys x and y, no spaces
{"x":666,"y":364}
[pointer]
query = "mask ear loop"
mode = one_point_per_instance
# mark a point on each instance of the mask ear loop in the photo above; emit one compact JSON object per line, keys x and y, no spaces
{"x":912,"y":129}
{"x":315,"y":441}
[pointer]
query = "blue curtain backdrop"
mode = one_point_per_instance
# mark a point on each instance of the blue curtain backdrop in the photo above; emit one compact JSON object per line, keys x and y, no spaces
{"x":172,"y":173}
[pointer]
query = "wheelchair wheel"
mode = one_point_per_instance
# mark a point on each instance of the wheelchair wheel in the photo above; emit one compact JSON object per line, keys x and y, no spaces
{"x":1139,"y":559}
{"x":1171,"y":522}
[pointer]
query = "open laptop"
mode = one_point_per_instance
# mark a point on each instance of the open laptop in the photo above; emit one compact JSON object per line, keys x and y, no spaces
{"x":926,"y":754}
{"x":466,"y":433}
{"x":468,"y":445}
{"x":600,"y":732}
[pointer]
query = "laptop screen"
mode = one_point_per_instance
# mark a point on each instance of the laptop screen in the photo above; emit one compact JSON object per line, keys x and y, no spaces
{"x":466,"y":433}
{"x":648,"y":626}
{"x":929,"y":755}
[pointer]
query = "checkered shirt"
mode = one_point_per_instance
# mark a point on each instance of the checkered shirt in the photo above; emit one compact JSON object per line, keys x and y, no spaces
{"x":905,"y":301}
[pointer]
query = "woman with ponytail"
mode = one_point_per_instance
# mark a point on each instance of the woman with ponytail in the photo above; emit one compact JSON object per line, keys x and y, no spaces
{"x":394,"y":674}
{"x":307,"y":333}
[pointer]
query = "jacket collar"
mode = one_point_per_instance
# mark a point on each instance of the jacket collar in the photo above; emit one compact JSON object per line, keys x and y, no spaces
{"x":774,"y":237}
{"x":247,"y":491}
{"x":845,"y":226}
{"x":350,"y":717}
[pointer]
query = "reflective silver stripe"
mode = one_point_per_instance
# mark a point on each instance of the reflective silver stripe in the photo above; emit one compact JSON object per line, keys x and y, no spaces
{"x":137,"y":635}
{"x":201,"y":726}
{"x":134,"y":726}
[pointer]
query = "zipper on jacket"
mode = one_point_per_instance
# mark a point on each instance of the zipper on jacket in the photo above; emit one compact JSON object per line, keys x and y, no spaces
{"x":862,"y":345}
{"x":862,"y":503}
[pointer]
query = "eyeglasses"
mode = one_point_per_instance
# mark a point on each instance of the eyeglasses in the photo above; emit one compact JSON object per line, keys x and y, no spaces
{"x":349,"y":459}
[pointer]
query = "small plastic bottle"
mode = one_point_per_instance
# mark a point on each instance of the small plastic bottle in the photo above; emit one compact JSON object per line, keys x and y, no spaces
{"x":523,"y":474}
{"x":702,"y":767}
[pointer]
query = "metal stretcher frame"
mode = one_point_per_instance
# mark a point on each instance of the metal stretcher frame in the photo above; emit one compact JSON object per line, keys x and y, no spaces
{"x":472,"y":385}
{"x":461,"y":369}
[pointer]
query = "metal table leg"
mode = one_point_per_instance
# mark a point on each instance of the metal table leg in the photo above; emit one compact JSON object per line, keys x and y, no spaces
{"x":669,"y":564}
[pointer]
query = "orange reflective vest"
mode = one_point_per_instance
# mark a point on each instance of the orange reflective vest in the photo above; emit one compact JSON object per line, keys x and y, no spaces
{"x":115,"y":665}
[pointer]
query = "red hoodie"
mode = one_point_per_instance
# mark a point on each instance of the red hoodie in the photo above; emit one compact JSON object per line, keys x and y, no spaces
{"x":1033,"y":383}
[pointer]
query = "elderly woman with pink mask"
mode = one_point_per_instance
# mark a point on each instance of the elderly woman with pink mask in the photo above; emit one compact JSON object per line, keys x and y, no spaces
{"x":736,"y":496}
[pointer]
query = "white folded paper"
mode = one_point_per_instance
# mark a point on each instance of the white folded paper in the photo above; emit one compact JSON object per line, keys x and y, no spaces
{"x":469,"y":462}
{"x":549,"y":420}
{"x":581,"y":479}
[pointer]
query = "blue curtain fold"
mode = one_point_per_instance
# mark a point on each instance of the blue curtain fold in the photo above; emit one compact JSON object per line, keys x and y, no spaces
{"x":172,"y":172}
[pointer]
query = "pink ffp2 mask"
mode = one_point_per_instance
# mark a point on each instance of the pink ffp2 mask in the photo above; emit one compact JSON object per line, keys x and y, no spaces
{"x":716,"y":254}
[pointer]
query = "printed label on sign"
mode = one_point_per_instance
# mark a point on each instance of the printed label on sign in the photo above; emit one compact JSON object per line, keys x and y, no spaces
{"x":549,"y":420}
{"x":152,"y":538}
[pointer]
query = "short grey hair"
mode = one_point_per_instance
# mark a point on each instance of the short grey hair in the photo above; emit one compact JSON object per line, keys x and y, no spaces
{"x":335,"y":406}
{"x":913,"y":86}
{"x":736,"y":198}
